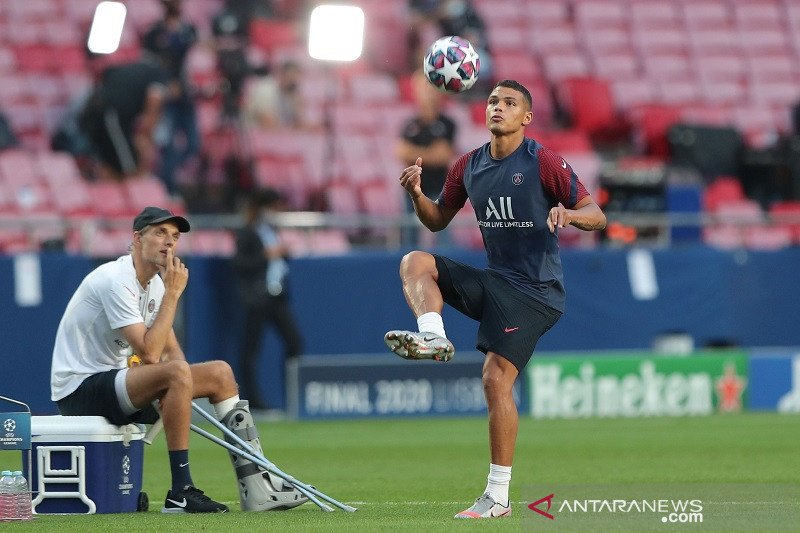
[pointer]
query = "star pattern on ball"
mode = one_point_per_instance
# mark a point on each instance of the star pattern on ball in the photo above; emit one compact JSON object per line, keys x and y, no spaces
{"x":9,"y":424}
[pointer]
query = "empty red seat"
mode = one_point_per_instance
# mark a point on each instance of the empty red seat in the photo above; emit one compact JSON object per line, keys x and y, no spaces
{"x":591,"y":105}
{"x":724,"y":189}
{"x":651,"y":124}
{"x":786,"y":214}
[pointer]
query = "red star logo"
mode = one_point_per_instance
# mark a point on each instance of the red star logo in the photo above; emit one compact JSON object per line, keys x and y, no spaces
{"x":729,"y":389}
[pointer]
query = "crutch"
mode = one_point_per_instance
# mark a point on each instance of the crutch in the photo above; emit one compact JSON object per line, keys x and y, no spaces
{"x":252,"y":455}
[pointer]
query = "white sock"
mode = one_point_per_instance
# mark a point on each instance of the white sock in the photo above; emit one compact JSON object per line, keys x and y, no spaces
{"x":499,"y":480}
{"x":431,"y":323}
{"x":223,"y":408}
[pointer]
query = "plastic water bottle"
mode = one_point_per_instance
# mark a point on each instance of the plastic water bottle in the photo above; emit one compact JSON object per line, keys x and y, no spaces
{"x":23,"y":496}
{"x":8,"y":503}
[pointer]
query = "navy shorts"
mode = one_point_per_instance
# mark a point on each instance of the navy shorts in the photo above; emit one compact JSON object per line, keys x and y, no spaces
{"x":96,"y":396}
{"x":511,"y":322}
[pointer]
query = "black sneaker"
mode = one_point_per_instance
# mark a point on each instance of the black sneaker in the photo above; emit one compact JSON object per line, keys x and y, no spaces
{"x":191,"y":500}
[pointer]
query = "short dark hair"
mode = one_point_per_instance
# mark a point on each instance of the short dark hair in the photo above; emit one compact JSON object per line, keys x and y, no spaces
{"x":517,"y":86}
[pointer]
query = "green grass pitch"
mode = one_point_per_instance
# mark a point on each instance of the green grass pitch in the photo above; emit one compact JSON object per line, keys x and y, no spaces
{"x":415,"y":474}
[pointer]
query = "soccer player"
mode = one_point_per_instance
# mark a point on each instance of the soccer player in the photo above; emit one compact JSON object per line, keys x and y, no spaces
{"x":522,"y":194}
{"x":125,"y":309}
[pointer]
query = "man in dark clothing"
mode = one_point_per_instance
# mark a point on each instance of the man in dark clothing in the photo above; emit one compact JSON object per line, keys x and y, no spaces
{"x":430,"y":134}
{"x":120,"y":117}
{"x":169,"y":41}
{"x":262,"y":270}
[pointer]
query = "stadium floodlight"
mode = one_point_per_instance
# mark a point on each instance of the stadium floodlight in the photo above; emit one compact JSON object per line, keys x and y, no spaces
{"x":336,"y":33}
{"x":107,"y":24}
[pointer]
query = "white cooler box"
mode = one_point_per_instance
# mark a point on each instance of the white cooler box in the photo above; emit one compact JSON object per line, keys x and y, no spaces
{"x":85,"y":465}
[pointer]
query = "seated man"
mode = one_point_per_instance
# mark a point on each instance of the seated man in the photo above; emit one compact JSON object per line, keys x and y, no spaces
{"x":124,"y":311}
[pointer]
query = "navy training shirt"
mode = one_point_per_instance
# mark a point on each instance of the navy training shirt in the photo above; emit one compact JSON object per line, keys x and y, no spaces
{"x":512,"y":198}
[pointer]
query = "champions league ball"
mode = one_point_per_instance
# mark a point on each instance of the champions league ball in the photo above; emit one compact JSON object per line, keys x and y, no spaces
{"x":452,"y":64}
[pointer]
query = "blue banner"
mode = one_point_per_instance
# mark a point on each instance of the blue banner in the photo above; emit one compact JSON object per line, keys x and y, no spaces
{"x":775,"y":382}
{"x":385,"y":386}
{"x":15,"y":431}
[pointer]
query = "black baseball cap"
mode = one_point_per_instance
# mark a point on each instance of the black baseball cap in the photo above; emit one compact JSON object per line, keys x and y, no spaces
{"x":156,"y":215}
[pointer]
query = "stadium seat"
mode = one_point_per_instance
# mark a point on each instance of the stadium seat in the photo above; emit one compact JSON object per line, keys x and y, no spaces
{"x":667,"y":66}
{"x":786,"y":214}
{"x":660,"y":41}
{"x":764,"y":41}
{"x":706,"y":14}
{"x":373,"y":88}
{"x":593,"y":14}
{"x":327,"y":242}
{"x":559,"y":67}
{"x":714,"y":41}
{"x":546,"y":13}
{"x":142,"y":191}
{"x":679,"y":92}
{"x":591,"y":106}
{"x":566,"y":141}
{"x":767,"y":238}
{"x":757,"y":14}
{"x":716,"y":66}
{"x":651,"y":123}
{"x":210,"y":242}
{"x":342,"y":199}
{"x":726,"y":237}
{"x":632,"y":93}
{"x":724,"y":189}
{"x":555,"y":39}
{"x":723,"y":92}
{"x":707,"y":114}
{"x":607,"y":40}
{"x":17,"y":168}
{"x":616,"y":66}
{"x":773,"y":67}
{"x":109,"y":200}
{"x":515,"y":64}
{"x":654,"y":15}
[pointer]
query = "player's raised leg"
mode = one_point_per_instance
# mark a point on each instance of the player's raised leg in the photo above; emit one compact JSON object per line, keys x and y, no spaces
{"x":418,"y":274}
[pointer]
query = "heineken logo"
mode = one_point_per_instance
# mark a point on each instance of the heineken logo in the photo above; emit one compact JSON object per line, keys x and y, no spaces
{"x":633,"y":386}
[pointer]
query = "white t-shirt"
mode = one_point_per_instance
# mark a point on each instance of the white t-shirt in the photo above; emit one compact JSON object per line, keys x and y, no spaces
{"x":89,"y":340}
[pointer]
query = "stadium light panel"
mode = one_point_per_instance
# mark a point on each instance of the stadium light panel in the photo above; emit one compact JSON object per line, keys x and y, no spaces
{"x":107,"y":24}
{"x":336,"y":33}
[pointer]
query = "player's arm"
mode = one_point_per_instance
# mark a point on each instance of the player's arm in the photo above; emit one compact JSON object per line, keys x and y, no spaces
{"x":435,"y":217}
{"x":586,"y":215}
{"x":173,"y":350}
{"x":150,"y":343}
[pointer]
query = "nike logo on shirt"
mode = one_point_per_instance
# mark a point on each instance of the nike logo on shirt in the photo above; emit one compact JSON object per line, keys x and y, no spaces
{"x":509,"y":330}
{"x":184,"y":464}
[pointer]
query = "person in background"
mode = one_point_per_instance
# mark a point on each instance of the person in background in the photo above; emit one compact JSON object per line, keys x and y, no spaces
{"x":429,"y":134}
{"x":121,"y":115}
{"x":262,"y":272}
{"x":169,"y":41}
{"x":523,"y":193}
{"x":274,"y":100}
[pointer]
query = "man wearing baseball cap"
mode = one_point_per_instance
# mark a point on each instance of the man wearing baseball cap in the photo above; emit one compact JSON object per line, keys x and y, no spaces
{"x":124,"y":311}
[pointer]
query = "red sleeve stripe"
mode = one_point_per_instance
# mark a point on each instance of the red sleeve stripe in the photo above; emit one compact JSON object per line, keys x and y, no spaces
{"x":454,"y":194}
{"x":559,"y":179}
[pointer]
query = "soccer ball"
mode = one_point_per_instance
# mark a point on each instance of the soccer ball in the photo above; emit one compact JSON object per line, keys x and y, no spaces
{"x":452,"y":64}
